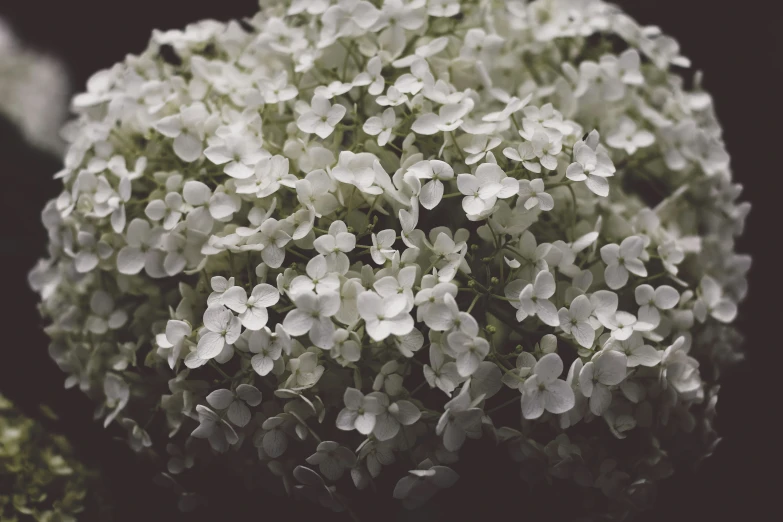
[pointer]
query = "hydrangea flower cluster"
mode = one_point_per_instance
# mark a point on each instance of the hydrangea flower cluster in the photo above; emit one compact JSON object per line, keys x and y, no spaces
{"x":347,"y":235}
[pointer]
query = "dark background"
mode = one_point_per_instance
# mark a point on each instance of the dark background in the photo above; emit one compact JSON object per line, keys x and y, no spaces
{"x":738,"y":47}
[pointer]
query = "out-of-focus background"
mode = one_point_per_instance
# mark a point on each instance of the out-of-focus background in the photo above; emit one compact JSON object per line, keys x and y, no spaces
{"x":738,"y":46}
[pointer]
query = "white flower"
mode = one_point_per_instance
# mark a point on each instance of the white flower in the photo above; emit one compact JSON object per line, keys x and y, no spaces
{"x":312,"y":316}
{"x":401,"y":284}
{"x":607,"y":369}
{"x":671,"y":256}
{"x":532,"y":194}
{"x":544,"y":391}
{"x":168,"y":209}
{"x":346,"y":348}
{"x":371,"y":77}
{"x":460,"y":419}
{"x":277,"y":89}
{"x":443,"y":372}
{"x":358,"y":170}
{"x":222,"y":328}
{"x":392,"y":98}
{"x":636,"y":351}
{"x":437,"y":172}
{"x":627,"y":136}
{"x":478,"y":149}
{"x":348,"y":18}
{"x":314,"y":191}
{"x":523,"y":369}
{"x":104,"y":317}
{"x":623,"y":259}
{"x":446,"y":315}
{"x":393,"y":416}
{"x":470,"y":351}
{"x":252,"y":310}
{"x":480,"y":45}
{"x":188,"y":129}
{"x":381,"y":126}
{"x":384,"y":316}
{"x":305,"y":371}
{"x":388,"y":379}
{"x":267,"y":347}
{"x":651,"y":301}
{"x":318,"y":278}
{"x":417,"y":79}
{"x":141,"y":251}
{"x":592,"y":166}
{"x":335,"y":245}
{"x":540,"y":150}
{"x":711,"y":301}
{"x":271,"y":239}
{"x":238,"y":151}
{"x":534,"y":300}
{"x":622,"y":324}
{"x":484,"y":188}
{"x":322,"y":117}
{"x":219,"y":285}
{"x":575,"y":321}
{"x":270,"y":174}
{"x":679,"y":370}
{"x":381,"y":250}
{"x":449,"y":118}
{"x":359,"y":413}
{"x":173,"y":340}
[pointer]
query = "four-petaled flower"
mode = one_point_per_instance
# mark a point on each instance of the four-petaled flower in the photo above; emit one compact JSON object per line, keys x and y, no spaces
{"x":534,"y":300}
{"x":484,"y":188}
{"x":321,"y":118}
{"x":252,"y":310}
{"x":359,"y":413}
{"x":384,"y":316}
{"x":606,"y":369}
{"x":222,"y":329}
{"x":544,"y":391}
{"x":623,"y":259}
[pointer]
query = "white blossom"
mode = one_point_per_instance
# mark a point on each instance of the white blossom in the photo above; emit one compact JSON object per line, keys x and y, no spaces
{"x":534,"y":300}
{"x":222,"y":328}
{"x":607,"y":369}
{"x":252,"y":310}
{"x":622,"y":259}
{"x":312,"y":316}
{"x":544,"y":391}
{"x":322,"y":117}
{"x":532,"y":194}
{"x":360,"y":412}
{"x":484,"y":188}
{"x":381,"y":126}
{"x":713,"y":302}
{"x":575,"y":321}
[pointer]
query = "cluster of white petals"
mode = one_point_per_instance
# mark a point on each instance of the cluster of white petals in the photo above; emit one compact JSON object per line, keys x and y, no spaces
{"x":353,"y":234}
